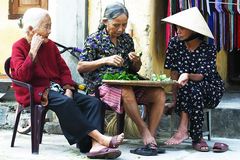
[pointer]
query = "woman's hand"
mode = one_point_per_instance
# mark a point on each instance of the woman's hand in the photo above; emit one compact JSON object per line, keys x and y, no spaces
{"x":68,"y":93}
{"x":136,"y":60}
{"x":114,"y":60}
{"x":169,"y":108}
{"x":134,"y":57}
{"x":183,"y":79}
{"x":36,"y":42}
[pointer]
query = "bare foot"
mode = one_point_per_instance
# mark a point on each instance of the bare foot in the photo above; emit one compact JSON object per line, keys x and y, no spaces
{"x":113,"y":142}
{"x":177,"y":138}
{"x":148,"y":138}
{"x":96,"y":147}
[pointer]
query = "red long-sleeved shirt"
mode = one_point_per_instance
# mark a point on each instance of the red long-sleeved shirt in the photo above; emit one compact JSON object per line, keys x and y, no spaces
{"x":48,"y":66}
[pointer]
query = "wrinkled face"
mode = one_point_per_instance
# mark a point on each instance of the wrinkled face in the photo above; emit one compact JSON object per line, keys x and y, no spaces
{"x":117,"y":26}
{"x":43,"y":29}
{"x":183,"y":33}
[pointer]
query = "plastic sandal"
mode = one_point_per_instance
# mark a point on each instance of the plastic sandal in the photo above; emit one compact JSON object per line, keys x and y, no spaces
{"x":148,"y":150}
{"x":201,"y":146}
{"x":220,"y":147}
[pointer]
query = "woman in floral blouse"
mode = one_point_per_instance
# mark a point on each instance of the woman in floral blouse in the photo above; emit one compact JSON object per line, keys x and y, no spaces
{"x":193,"y":63}
{"x":111,"y":50}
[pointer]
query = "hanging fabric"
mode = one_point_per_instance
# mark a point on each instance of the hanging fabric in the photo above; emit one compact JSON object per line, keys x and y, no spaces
{"x":235,"y":23}
{"x":238,"y":31}
{"x":202,"y":6}
{"x":197,"y":4}
{"x":238,"y":6}
{"x":211,"y":19}
{"x":238,"y":25}
{"x":231,"y":21}
{"x":192,"y":3}
{"x":180,"y":5}
{"x":205,"y":10}
{"x":184,"y":4}
{"x":226,"y":30}
{"x":208,"y":7}
{"x":174,"y":8}
{"x":218,"y":6}
{"x":222,"y":16}
{"x":189,"y":4}
{"x":168,"y":26}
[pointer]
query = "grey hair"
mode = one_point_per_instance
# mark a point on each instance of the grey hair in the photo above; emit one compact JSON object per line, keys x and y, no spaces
{"x":112,"y":11}
{"x":32,"y":18}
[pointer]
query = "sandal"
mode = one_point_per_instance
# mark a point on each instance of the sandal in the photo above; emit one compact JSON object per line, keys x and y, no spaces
{"x":114,"y":143}
{"x":148,"y":150}
{"x":161,"y":150}
{"x":201,"y":146}
{"x":105,"y":153}
{"x":220,"y":147}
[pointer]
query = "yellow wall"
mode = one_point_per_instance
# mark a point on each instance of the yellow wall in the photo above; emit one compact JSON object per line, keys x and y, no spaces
{"x":9,"y":33}
{"x":222,"y":64}
{"x":138,"y":26}
{"x":157,"y":36}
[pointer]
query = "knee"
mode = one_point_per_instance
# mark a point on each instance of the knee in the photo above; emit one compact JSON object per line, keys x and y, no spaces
{"x":97,"y":104}
{"x":159,"y":94}
{"x":67,"y":101}
{"x":127,"y":94}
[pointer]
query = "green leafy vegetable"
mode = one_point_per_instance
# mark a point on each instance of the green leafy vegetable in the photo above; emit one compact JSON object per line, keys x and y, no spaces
{"x":161,"y":77}
{"x":120,"y":76}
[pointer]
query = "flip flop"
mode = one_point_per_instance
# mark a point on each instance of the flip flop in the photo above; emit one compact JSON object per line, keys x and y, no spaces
{"x":201,"y":146}
{"x":147,"y":150}
{"x":161,"y":150}
{"x":220,"y":147}
{"x":114,"y":143}
{"x":105,"y":153}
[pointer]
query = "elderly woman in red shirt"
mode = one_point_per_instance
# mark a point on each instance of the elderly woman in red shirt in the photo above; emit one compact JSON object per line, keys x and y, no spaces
{"x":36,"y":60}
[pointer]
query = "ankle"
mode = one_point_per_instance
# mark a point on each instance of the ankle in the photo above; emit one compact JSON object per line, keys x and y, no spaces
{"x":182,"y":130}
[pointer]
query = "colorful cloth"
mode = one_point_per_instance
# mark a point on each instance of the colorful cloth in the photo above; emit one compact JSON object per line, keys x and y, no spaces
{"x":222,"y":15}
{"x":111,"y":95}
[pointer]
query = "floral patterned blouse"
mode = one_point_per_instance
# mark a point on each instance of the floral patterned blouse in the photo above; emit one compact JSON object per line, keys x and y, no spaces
{"x":99,"y":45}
{"x":201,"y":61}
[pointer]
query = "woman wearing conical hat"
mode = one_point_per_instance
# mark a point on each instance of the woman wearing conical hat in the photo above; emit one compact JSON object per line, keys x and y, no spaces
{"x":193,"y":64}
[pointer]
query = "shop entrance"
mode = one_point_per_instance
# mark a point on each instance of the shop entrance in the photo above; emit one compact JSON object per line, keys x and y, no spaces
{"x":234,"y":67}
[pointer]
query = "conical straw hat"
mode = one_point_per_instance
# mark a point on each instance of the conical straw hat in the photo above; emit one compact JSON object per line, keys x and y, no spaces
{"x":191,"y":19}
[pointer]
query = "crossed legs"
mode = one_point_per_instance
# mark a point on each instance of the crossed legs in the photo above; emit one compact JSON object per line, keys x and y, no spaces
{"x":155,"y":98}
{"x":100,"y":141}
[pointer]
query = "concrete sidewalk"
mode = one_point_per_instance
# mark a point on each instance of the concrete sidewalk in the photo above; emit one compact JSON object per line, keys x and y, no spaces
{"x":55,"y":147}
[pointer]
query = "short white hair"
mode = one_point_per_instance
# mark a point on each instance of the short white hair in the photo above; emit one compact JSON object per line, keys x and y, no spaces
{"x":32,"y":18}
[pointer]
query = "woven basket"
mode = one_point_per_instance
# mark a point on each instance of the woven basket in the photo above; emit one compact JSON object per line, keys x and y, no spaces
{"x":130,"y":128}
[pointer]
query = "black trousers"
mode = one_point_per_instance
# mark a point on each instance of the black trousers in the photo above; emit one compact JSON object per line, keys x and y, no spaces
{"x":78,"y":116}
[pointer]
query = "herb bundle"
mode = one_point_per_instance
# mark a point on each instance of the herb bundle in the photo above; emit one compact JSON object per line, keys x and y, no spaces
{"x":120,"y":76}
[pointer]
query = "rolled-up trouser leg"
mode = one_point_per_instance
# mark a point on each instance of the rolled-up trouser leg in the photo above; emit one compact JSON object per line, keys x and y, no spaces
{"x":78,"y":115}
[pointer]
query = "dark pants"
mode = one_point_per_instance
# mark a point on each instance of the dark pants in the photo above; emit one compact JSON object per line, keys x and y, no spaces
{"x":193,"y":98}
{"x":78,"y":116}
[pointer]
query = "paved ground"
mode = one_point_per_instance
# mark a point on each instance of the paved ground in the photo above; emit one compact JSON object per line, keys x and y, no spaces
{"x":55,"y":147}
